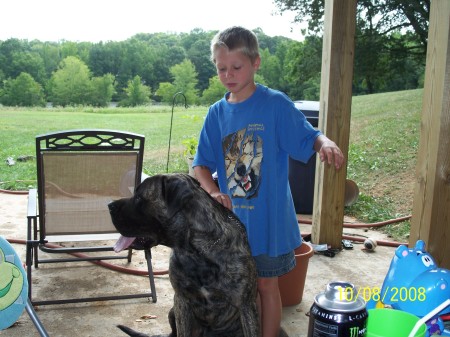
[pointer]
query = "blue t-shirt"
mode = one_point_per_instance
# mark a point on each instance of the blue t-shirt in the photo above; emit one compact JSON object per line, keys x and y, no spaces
{"x":249,"y":144}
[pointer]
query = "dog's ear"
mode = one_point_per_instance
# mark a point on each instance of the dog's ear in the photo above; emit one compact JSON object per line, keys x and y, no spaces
{"x":178,"y":192}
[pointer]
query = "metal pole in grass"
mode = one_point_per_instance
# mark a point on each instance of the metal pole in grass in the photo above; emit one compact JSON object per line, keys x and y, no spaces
{"x":171,"y":123}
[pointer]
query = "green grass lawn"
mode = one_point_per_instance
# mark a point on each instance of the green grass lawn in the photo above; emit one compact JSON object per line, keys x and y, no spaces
{"x":20,"y":126}
{"x":384,"y":141}
{"x":382,"y":156}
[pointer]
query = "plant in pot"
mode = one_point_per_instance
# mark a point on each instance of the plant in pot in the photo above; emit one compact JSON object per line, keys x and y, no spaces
{"x":190,"y":148}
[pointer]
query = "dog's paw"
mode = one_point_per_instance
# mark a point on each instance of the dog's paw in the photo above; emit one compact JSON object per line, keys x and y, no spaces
{"x":131,"y":332}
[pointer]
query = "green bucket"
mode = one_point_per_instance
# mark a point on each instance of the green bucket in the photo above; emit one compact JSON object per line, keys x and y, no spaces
{"x":392,"y":323}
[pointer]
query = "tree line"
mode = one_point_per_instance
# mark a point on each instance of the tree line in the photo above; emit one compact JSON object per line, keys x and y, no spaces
{"x":153,"y":67}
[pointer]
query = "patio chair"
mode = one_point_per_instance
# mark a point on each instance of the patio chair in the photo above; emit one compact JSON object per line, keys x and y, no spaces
{"x":78,"y":173}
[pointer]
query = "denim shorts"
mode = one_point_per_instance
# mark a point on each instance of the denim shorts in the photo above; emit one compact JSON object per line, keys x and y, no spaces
{"x":274,"y":266}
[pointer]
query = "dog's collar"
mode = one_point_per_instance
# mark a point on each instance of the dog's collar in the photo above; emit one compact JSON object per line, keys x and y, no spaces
{"x":241,"y":227}
{"x":204,"y":250}
{"x":238,"y":223}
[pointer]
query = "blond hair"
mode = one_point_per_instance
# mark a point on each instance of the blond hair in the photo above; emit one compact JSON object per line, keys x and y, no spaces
{"x":236,"y":38}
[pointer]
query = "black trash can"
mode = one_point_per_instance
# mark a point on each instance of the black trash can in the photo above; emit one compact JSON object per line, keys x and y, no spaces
{"x":301,"y":175}
{"x":301,"y":180}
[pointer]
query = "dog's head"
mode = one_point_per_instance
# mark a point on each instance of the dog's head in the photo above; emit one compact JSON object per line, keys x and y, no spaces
{"x":149,"y":213}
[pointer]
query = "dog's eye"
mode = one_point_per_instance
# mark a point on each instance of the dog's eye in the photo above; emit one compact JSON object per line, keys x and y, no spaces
{"x":139,"y":203}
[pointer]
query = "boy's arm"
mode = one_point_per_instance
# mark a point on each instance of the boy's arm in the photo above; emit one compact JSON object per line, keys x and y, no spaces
{"x":204,"y":176}
{"x":329,"y":151}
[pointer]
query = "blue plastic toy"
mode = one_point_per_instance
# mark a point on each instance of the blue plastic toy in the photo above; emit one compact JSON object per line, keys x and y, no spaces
{"x":13,"y":286}
{"x":415,"y":284}
{"x":14,"y":290}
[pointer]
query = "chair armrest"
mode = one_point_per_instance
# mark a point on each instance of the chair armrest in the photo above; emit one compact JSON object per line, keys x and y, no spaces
{"x":32,"y":203}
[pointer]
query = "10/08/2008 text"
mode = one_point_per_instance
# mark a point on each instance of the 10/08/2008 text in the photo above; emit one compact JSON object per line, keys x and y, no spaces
{"x":389,"y":294}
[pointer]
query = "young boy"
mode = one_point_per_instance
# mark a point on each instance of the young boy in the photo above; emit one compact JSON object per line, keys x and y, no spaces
{"x":247,"y":138}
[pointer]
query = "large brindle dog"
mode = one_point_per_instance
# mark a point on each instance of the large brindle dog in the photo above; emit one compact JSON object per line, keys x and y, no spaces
{"x":211,"y":268}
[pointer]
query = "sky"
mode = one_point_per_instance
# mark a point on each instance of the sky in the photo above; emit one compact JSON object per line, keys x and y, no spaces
{"x":115,"y":20}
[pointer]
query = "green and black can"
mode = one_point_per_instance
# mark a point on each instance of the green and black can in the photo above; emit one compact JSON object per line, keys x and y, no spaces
{"x":338,"y":312}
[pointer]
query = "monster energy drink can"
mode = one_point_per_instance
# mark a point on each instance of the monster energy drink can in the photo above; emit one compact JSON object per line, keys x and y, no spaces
{"x":338,"y":312}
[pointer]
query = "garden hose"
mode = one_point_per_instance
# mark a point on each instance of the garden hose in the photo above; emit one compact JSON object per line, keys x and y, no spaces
{"x":300,"y":221}
{"x":367,"y":225}
{"x":111,"y":266}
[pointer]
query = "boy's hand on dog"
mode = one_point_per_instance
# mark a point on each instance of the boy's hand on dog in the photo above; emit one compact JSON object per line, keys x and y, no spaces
{"x":204,"y":176}
{"x":223,"y":199}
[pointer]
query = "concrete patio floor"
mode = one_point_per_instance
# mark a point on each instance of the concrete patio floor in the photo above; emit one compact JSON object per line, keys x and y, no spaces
{"x":362,"y":268}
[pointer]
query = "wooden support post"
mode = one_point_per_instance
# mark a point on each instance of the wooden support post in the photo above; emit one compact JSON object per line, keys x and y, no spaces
{"x":334,"y":118}
{"x":431,"y":206}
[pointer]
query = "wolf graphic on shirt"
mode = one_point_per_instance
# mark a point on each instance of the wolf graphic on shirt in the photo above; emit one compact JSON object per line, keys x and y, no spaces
{"x":243,"y":157}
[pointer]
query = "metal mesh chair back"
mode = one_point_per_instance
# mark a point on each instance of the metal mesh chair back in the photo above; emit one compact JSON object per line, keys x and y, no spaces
{"x":78,"y":187}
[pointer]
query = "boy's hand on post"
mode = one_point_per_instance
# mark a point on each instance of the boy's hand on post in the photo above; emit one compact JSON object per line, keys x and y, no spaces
{"x":330,"y":153}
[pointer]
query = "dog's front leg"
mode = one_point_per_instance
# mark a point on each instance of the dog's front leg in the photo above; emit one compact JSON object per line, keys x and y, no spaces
{"x":250,"y":320}
{"x":183,"y":318}
{"x":172,"y":323}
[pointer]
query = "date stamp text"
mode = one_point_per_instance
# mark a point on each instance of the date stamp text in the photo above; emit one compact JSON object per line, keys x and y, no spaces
{"x":388,"y":295}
